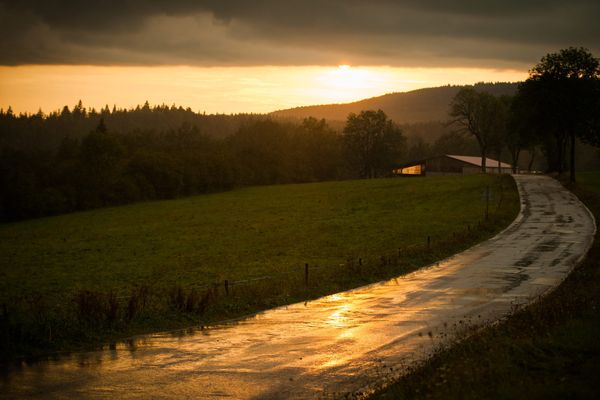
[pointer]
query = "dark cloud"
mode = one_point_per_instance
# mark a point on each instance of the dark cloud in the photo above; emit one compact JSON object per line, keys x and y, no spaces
{"x":505,"y":33}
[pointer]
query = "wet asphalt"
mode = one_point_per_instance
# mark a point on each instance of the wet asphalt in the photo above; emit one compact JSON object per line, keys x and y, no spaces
{"x":347,"y":343}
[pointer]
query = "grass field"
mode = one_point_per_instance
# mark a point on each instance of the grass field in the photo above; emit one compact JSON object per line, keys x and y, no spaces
{"x":550,"y":350}
{"x":179,"y":245}
{"x":236,"y":235}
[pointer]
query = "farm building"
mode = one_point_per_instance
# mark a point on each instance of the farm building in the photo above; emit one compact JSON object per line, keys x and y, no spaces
{"x":451,"y":165}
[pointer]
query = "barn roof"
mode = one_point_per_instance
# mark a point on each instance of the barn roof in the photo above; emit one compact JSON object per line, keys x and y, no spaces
{"x":472,"y":160}
{"x":489,"y":162}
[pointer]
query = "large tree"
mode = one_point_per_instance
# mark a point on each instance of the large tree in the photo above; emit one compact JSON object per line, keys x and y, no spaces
{"x":373,"y":143}
{"x":561,"y":98}
{"x":522,"y":134}
{"x":479,"y":114}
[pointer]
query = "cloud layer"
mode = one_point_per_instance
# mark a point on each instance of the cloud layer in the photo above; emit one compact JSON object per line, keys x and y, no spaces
{"x":498,"y":34}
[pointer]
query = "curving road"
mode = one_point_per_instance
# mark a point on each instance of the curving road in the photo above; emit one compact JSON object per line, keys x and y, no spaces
{"x":343,"y":343}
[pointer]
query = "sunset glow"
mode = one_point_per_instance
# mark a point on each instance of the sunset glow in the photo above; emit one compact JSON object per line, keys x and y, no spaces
{"x":221,"y":89}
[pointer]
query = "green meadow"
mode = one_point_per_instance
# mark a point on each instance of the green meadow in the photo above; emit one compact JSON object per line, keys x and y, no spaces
{"x":241,"y":234}
{"x":249,"y":233}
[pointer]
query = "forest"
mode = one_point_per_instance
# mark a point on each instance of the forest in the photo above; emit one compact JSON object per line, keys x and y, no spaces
{"x":79,"y":159}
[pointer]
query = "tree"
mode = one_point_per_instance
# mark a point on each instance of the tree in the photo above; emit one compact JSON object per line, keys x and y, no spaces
{"x":318,"y":151}
{"x":521,"y":134}
{"x":101,"y":155}
{"x":373,"y":143}
{"x":477,"y":113}
{"x":418,"y":148}
{"x":499,"y":138}
{"x":562,"y":98}
{"x":455,"y":143}
{"x":590,"y":132}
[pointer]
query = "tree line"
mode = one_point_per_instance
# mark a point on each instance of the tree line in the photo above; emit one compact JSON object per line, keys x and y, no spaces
{"x":104,"y":167}
{"x":45,"y":131}
{"x":556,"y":106}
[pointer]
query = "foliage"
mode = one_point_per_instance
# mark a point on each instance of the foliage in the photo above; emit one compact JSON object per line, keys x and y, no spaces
{"x":104,"y":168}
{"x":373,"y":143}
{"x":455,"y":143}
{"x":45,"y":132}
{"x":559,"y":102}
{"x":482,"y":115}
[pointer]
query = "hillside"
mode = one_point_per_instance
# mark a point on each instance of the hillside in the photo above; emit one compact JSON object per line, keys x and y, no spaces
{"x":420,"y":105}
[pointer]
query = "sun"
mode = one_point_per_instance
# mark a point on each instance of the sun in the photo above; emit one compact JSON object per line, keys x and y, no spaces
{"x":348,"y":79}
{"x":344,"y":83}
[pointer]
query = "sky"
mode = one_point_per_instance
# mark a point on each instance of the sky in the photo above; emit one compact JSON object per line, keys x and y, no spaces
{"x":263,"y":55}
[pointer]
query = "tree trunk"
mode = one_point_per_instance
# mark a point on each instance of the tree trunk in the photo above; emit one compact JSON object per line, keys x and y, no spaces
{"x":515,"y":159}
{"x":560,"y":156}
{"x":572,"y":160}
{"x":565,"y":147}
{"x":532,"y":153}
{"x":483,"y":159}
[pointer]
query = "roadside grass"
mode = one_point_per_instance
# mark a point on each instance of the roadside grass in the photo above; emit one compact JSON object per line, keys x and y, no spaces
{"x":85,"y":279}
{"x":549,"y":350}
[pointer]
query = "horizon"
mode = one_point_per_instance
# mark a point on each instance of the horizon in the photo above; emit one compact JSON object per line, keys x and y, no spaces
{"x":234,"y":57}
{"x":240,"y":90}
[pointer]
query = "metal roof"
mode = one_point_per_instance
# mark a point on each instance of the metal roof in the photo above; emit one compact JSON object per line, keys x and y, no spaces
{"x":473,"y":160}
{"x":489,"y":162}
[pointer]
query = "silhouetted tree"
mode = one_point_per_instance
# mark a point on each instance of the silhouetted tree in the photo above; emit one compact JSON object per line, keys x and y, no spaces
{"x":523,"y":134}
{"x":373,"y":143}
{"x":455,"y":143}
{"x":502,"y":130}
{"x":318,"y":151}
{"x":66,"y":161}
{"x":561,"y":96}
{"x":479,"y":114}
{"x":418,"y":149}
{"x":101,"y":158}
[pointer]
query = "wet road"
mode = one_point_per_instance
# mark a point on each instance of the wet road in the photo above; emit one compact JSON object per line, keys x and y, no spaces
{"x":344,"y":343}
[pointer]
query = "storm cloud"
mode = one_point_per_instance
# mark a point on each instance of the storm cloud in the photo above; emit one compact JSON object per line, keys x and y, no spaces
{"x":500,"y":34}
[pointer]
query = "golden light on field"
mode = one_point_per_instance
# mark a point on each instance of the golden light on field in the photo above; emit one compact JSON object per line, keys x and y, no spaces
{"x":220,"y":89}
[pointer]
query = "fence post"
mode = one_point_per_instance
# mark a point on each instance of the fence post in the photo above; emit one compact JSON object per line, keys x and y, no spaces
{"x":306,"y":274}
{"x":428,"y":242}
{"x":360,"y":262}
{"x":487,"y":201}
{"x":227,"y":287}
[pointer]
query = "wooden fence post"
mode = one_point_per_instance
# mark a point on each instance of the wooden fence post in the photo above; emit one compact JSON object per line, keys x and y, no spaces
{"x":306,"y":274}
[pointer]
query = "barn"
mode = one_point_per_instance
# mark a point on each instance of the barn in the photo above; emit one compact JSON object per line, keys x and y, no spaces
{"x":451,"y":165}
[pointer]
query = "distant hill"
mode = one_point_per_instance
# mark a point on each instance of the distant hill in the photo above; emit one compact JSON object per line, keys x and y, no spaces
{"x":422,"y":105}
